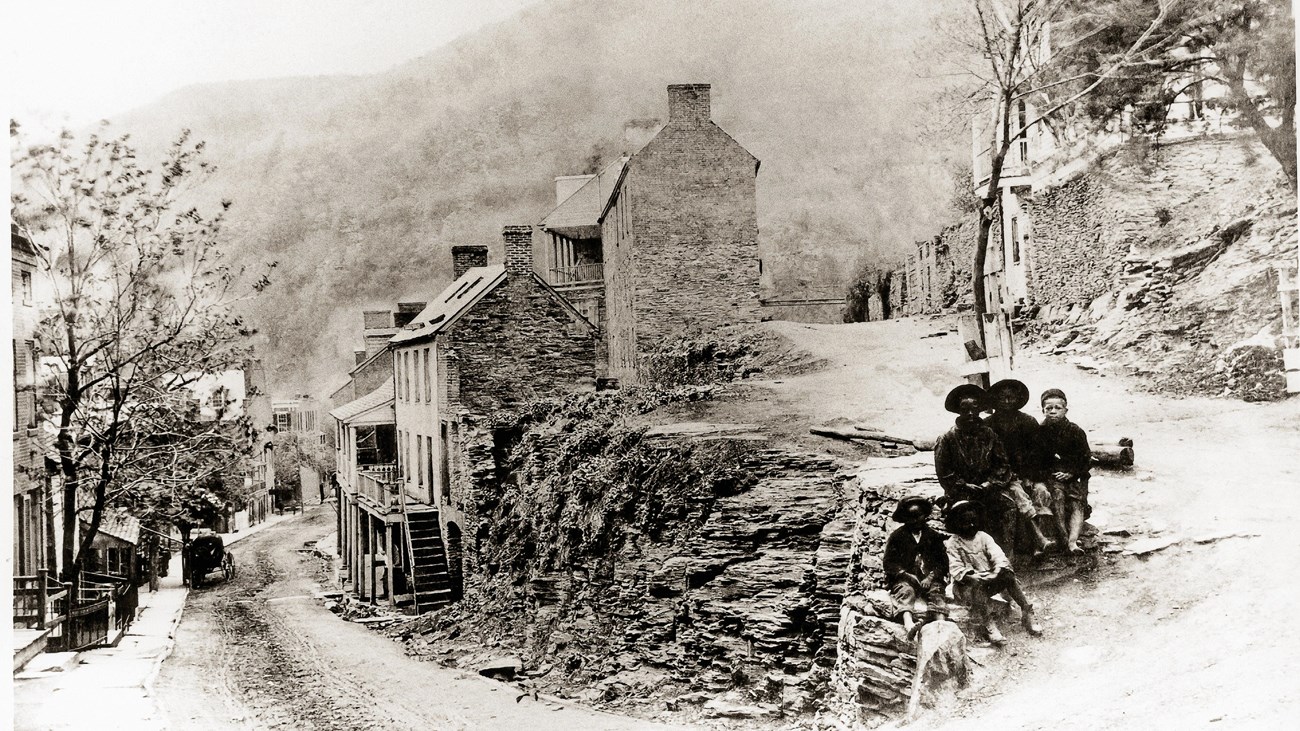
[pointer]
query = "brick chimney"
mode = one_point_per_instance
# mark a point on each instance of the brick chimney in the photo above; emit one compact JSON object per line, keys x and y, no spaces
{"x":519,"y":248}
{"x":688,"y":105}
{"x":407,"y":311}
{"x":464,"y":258}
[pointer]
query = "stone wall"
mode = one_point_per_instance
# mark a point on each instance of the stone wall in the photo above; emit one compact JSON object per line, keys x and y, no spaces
{"x":693,"y":263}
{"x":518,"y":344}
{"x":1133,"y":202}
{"x":937,"y":274}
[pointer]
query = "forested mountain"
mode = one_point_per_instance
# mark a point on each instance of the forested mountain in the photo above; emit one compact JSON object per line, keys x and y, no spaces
{"x":360,"y":185}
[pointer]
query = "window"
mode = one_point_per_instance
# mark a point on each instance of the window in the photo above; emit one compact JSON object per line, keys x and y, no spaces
{"x":428,"y":379}
{"x":406,"y":375}
{"x":1015,"y":240}
{"x":27,"y":287}
{"x":444,"y":467}
{"x":418,"y":387}
{"x":428,"y":463}
{"x":419,"y":460}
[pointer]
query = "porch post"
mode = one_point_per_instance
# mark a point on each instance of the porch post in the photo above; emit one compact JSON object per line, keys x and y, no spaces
{"x":388,"y":560}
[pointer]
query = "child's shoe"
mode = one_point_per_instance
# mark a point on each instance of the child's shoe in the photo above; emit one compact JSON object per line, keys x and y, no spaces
{"x":1030,"y":623}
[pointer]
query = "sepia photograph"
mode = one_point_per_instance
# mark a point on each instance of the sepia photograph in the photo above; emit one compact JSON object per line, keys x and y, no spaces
{"x":599,"y":365}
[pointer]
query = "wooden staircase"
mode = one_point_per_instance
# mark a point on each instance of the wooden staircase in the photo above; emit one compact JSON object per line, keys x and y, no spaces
{"x":430,"y":581}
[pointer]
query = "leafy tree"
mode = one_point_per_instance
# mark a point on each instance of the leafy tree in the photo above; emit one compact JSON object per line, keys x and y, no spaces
{"x":141,"y":305}
{"x":1246,"y":46}
{"x":292,"y":452}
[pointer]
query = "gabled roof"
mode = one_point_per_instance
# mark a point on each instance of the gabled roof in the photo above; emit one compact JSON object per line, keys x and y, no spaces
{"x":578,"y":216}
{"x":375,"y":407}
{"x":120,"y":526}
{"x":451,"y":303}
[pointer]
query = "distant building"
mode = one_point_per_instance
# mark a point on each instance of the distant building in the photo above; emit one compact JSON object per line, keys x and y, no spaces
{"x":660,"y":244}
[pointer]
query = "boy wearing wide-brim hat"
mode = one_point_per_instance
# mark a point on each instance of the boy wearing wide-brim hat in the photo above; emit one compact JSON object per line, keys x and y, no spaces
{"x":1018,"y":433}
{"x":916,"y":563}
{"x":980,"y":569}
{"x":971,"y":464}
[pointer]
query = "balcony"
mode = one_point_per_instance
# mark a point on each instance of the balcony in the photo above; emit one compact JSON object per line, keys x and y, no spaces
{"x":379,"y":485}
{"x":578,"y":276}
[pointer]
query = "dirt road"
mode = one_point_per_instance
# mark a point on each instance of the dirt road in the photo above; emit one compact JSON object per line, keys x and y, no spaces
{"x":1198,"y":635}
{"x":261,"y":652}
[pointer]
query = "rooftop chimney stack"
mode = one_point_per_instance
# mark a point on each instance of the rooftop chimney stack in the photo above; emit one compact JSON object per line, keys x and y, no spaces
{"x":519,"y":249}
{"x":406,"y":312}
{"x":688,"y":105}
{"x":464,"y":258}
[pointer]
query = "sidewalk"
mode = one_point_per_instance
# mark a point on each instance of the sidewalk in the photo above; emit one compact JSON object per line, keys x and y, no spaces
{"x":83,"y":690}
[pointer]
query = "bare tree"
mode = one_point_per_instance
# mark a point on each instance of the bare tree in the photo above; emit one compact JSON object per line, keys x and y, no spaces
{"x":1005,"y":52}
{"x":141,"y":305}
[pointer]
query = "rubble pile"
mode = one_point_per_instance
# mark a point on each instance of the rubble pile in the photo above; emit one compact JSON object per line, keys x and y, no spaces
{"x":1254,"y":373}
{"x":692,"y":569}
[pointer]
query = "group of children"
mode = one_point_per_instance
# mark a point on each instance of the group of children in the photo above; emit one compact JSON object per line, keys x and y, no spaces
{"x":1007,"y":479}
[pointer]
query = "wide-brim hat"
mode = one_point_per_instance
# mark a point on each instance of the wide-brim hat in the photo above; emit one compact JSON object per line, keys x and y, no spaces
{"x":906,"y":505}
{"x":958,"y":509}
{"x":1010,"y":384}
{"x":965,"y":390}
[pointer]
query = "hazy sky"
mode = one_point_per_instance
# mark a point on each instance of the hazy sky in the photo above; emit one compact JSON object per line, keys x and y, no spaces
{"x":75,"y":61}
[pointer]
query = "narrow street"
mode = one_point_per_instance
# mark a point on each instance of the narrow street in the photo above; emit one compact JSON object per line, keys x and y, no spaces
{"x":262,"y":652}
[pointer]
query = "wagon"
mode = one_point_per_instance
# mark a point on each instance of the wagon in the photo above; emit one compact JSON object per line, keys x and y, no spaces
{"x":205,"y":555}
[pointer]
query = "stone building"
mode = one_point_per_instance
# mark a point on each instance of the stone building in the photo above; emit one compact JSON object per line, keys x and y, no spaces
{"x":496,"y":338}
{"x":662,"y":243}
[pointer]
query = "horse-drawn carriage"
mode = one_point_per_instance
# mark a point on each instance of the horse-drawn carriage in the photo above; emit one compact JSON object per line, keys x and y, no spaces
{"x":207,"y":554}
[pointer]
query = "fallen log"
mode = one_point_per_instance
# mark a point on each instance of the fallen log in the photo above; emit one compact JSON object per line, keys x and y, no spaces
{"x":1121,"y":441}
{"x":1112,"y":455}
{"x":852,"y":435}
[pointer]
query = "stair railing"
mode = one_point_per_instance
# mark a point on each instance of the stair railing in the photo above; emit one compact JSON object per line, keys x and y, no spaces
{"x":409,"y":564}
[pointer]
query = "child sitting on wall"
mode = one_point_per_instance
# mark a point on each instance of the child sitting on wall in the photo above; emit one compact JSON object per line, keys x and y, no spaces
{"x":979,"y":570}
{"x":916,"y":564}
{"x":1068,"y":466}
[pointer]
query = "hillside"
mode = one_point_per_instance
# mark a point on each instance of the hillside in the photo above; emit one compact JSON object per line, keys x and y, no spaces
{"x":359,"y":186}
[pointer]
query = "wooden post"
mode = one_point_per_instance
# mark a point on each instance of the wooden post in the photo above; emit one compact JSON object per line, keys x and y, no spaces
{"x":976,"y":369}
{"x":40,"y":598}
{"x":374,"y":576}
{"x":388,"y":560}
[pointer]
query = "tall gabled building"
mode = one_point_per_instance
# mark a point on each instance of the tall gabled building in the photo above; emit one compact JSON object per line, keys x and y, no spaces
{"x":662,"y":244}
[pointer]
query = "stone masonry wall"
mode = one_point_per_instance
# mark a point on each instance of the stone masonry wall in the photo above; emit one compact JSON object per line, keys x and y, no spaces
{"x":695,"y":236}
{"x":1085,"y":228}
{"x":518,"y":344}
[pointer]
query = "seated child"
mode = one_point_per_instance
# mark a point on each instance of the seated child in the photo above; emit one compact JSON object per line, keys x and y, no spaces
{"x":979,"y":570}
{"x":1018,"y":433}
{"x":915,"y":563}
{"x":1068,"y":461}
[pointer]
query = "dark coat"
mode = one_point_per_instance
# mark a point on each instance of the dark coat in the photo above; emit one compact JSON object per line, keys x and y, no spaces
{"x":1018,"y":433}
{"x":1065,"y":449}
{"x":972,"y":455}
{"x":929,"y":557}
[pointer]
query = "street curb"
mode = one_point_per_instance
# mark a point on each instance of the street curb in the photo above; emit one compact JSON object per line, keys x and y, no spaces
{"x":156,"y":668}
